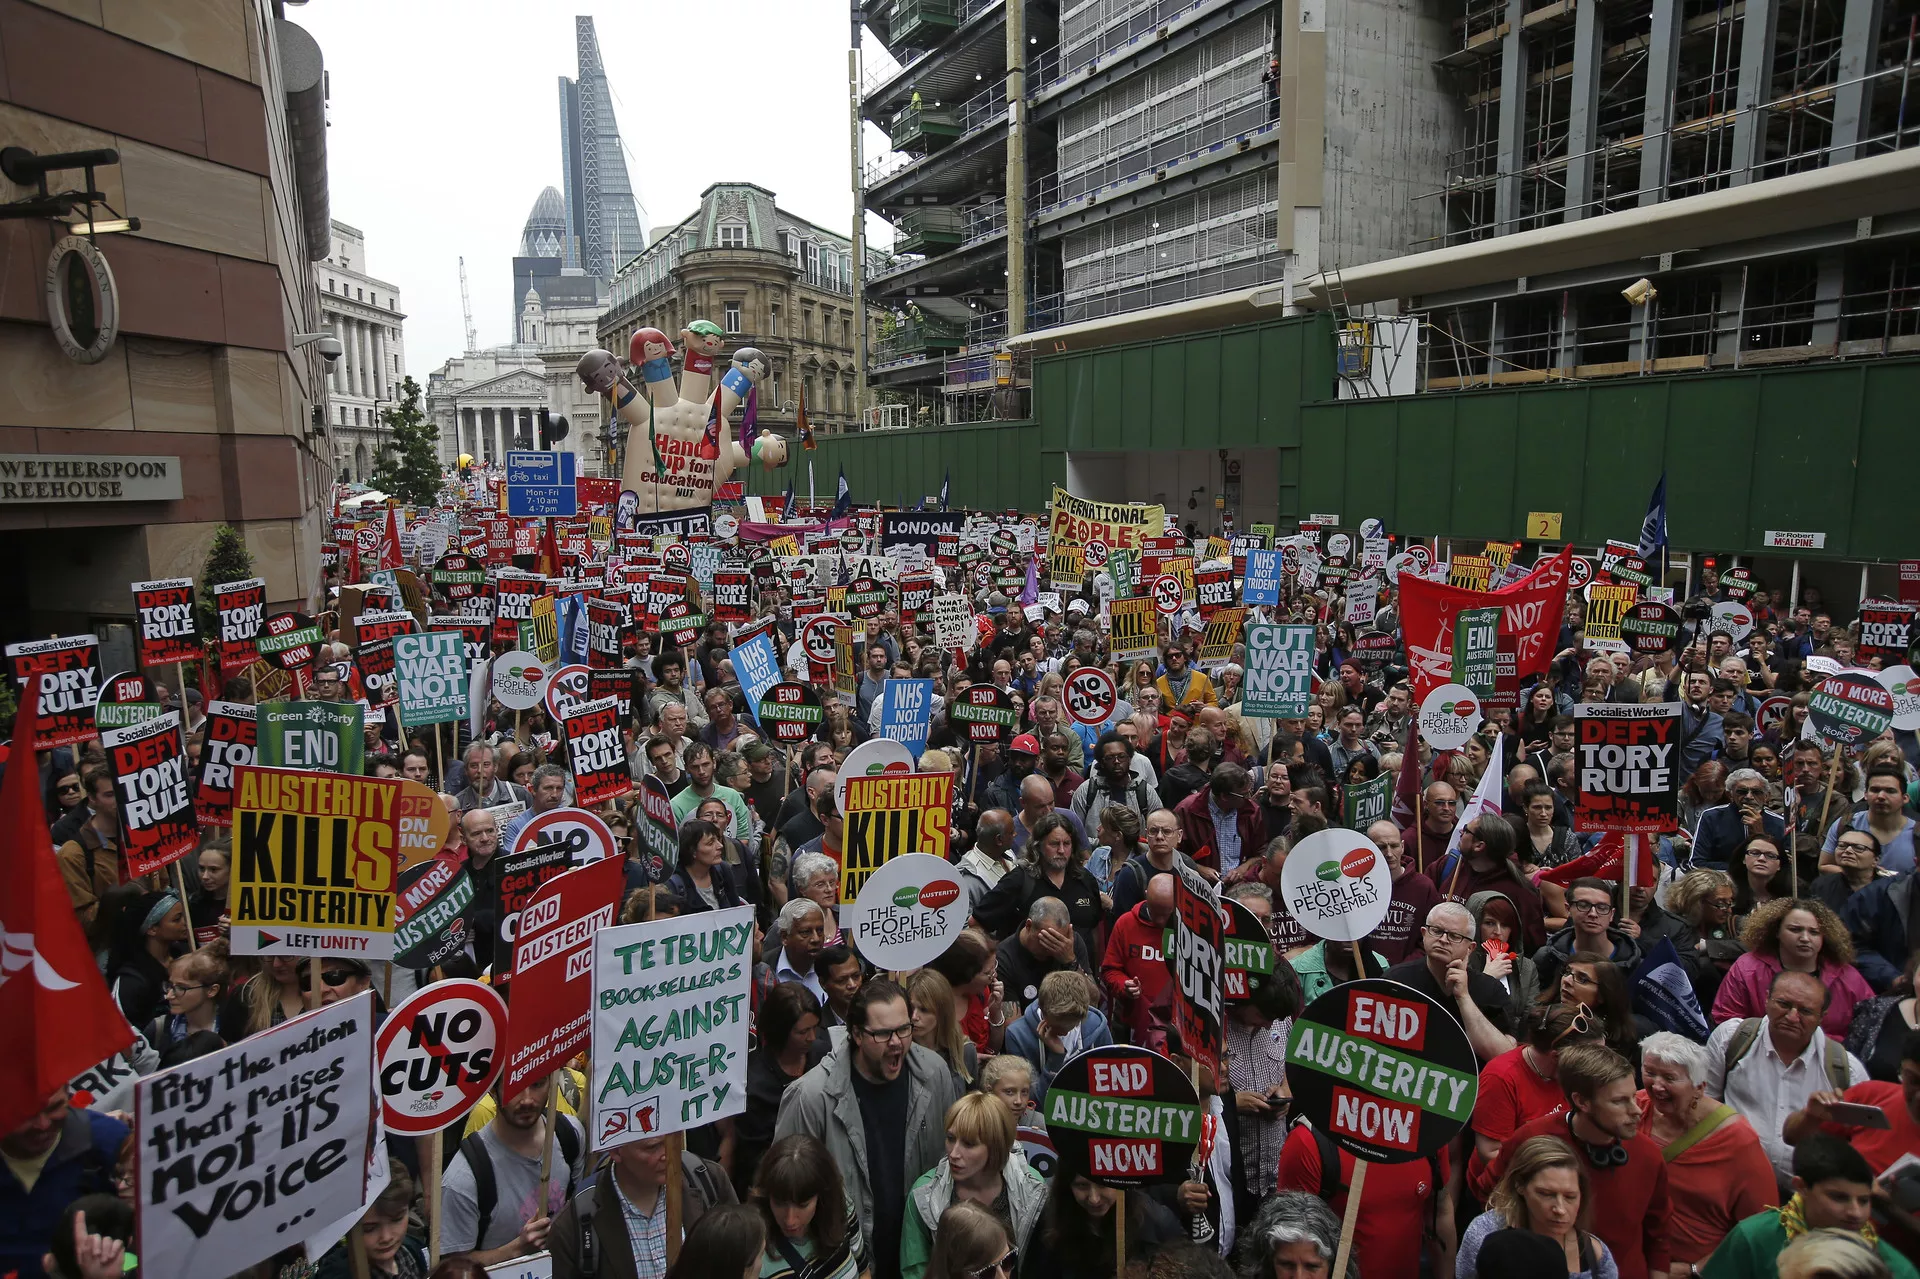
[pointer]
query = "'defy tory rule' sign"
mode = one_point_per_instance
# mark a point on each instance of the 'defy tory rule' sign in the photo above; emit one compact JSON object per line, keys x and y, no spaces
{"x":1627,"y":767}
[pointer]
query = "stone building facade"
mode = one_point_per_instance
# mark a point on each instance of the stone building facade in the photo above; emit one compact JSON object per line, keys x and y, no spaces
{"x":216,"y":109}
{"x":364,"y":313}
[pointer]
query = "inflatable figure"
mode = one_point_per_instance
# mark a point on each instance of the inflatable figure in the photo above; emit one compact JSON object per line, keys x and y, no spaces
{"x":679,"y":452}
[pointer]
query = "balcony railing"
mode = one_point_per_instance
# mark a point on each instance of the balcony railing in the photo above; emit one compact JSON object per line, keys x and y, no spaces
{"x":919,"y":336}
{"x":923,"y":130}
{"x":922,"y":23}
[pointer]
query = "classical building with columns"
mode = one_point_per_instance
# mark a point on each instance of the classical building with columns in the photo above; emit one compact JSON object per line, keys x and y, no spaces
{"x":364,"y":313}
{"x":770,"y":279}
{"x":485,"y":403}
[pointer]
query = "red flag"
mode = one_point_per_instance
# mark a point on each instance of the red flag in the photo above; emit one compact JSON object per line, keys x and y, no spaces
{"x":1605,"y":860}
{"x":1530,"y":621}
{"x":60,"y":1018}
{"x":1406,"y":786}
{"x":390,"y":541}
{"x":548,"y":565}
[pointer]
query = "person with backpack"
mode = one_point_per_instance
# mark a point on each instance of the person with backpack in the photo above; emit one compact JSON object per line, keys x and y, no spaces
{"x":488,"y":1198}
{"x":1113,"y":782}
{"x":617,"y":1225}
{"x":1769,"y":1067}
{"x":1399,"y":1207}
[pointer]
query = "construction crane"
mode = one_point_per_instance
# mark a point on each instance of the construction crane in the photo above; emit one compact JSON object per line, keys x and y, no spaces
{"x":466,"y":309}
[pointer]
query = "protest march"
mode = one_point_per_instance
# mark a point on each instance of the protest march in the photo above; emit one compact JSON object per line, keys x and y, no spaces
{"x":563,"y":895}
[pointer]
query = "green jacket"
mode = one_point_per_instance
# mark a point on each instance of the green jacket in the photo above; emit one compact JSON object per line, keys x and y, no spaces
{"x":1310,"y":965}
{"x":1751,"y":1251}
{"x":933,"y":1195}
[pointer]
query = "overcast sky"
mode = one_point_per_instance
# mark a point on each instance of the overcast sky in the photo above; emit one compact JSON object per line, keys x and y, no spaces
{"x":445,"y":126}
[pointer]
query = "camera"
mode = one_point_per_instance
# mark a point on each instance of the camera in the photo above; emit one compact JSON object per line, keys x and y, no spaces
{"x":1697,"y":609}
{"x":330,"y":350}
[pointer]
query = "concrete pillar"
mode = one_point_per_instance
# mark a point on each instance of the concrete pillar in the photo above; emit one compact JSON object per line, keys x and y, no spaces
{"x":1830,"y":277}
{"x":383,"y":390}
{"x":1853,"y":98}
{"x":1584,"y":111}
{"x":1663,"y":60}
{"x":1566,"y":340}
{"x":1510,"y":148}
{"x":1754,"y":88}
{"x":1728,"y":335}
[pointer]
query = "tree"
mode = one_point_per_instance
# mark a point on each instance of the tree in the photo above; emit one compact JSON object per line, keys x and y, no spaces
{"x":409,"y":464}
{"x":228,"y":561}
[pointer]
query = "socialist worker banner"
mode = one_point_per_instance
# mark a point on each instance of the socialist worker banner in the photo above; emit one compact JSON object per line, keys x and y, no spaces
{"x":167,"y":630}
{"x":242,"y":609}
{"x":68,"y":694}
{"x":597,"y":752}
{"x":150,"y":781}
{"x":1627,"y":764}
{"x":229,"y":744}
{"x":313,"y":869}
{"x":1531,"y":611}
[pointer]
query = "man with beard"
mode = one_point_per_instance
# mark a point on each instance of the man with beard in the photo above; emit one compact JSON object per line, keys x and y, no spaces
{"x":1113,"y":782}
{"x":507,"y":1223}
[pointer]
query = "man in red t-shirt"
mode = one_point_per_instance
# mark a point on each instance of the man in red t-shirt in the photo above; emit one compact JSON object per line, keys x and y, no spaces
{"x":1900,"y":1102}
{"x":1520,"y":1086}
{"x":1396,"y":1206}
{"x":1134,"y":970}
{"x":1631,"y":1207}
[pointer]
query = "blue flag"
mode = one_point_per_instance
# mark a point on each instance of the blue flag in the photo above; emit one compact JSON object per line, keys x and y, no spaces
{"x":757,"y":666}
{"x":906,"y":711}
{"x":786,"y":503}
{"x":1653,"y":529}
{"x":843,"y":498}
{"x":945,"y":479}
{"x":1663,"y":993}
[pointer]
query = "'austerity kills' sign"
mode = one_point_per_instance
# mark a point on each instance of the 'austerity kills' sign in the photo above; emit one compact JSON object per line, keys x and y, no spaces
{"x":891,"y":815}
{"x":1628,"y":772}
{"x":313,"y":863}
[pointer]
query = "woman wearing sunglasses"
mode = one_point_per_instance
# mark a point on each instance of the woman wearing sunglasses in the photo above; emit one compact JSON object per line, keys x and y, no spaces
{"x":972,"y":1244}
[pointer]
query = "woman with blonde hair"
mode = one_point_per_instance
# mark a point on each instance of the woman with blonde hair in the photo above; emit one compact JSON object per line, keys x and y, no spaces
{"x":270,"y":997}
{"x":1801,"y":935}
{"x":1545,"y":1190}
{"x":936,"y":1024}
{"x":982,"y":1169}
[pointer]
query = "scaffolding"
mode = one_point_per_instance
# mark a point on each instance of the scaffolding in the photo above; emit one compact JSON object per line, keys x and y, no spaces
{"x":1611,"y":113}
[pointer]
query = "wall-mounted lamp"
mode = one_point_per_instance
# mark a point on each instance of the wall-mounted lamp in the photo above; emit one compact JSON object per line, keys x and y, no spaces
{"x":73,"y":209}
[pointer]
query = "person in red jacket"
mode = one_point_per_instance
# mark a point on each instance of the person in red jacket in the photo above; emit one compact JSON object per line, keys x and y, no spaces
{"x":1631,"y":1206}
{"x":1203,"y":815}
{"x":1135,"y":969}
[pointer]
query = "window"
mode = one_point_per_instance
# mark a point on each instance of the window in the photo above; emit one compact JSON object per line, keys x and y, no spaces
{"x":343,"y":415}
{"x":360,"y":295}
{"x":806,"y":324}
{"x":356,"y":417}
{"x":375,"y":299}
{"x":329,"y":286}
{"x":833,"y":272}
{"x":773,"y":390}
{"x":733,"y":237}
{"x":846,"y":331}
{"x":813,"y":260}
{"x":773,"y":321}
{"x":732,"y":317}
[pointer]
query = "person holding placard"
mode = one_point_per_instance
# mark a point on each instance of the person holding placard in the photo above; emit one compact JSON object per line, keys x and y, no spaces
{"x":487,"y":1198}
{"x":625,"y":1213}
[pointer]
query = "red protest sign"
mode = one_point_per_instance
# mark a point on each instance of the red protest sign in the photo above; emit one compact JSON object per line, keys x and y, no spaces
{"x":72,"y":666}
{"x":597,"y":752}
{"x":552,"y":1007}
{"x":242,"y":609}
{"x":1910,"y":581}
{"x":165,"y":618}
{"x":231,"y":737}
{"x":1886,"y":629}
{"x":1627,"y":766}
{"x":605,"y":621}
{"x":150,"y":781}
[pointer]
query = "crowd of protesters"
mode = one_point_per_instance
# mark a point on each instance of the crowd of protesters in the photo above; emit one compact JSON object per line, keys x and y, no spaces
{"x":891,"y":1119}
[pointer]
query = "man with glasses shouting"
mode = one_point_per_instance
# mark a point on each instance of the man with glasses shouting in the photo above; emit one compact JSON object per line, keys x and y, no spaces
{"x":1442,"y":974}
{"x":1721,"y":830}
{"x":879,"y":1103}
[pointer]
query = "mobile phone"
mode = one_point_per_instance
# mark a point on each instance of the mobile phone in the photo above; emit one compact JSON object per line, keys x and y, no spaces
{"x":1856,"y":1115}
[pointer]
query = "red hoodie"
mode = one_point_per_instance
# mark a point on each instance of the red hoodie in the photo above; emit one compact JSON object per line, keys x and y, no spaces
{"x":1133,"y":950}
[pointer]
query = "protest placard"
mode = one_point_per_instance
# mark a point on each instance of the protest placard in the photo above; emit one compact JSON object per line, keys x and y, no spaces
{"x":313,"y":870}
{"x":1886,"y":630}
{"x":150,"y":781}
{"x":671,"y":1005}
{"x":430,"y":674}
{"x":597,"y":753}
{"x":324,"y":737}
{"x":1850,"y":709}
{"x":437,"y":1053}
{"x":1133,"y":635}
{"x":952,"y":620}
{"x":163,"y":613}
{"x":906,"y":712}
{"x":546,"y":847}
{"x":1335,"y":884}
{"x":1650,"y":627}
{"x":1476,"y":647}
{"x":1123,"y":1116}
{"x":1364,"y":803}
{"x":987,"y":714}
{"x":229,"y":743}
{"x":1279,"y":683}
{"x":908,"y":913}
{"x":1607,"y":606}
{"x":67,"y":696}
{"x":1385,"y":1072}
{"x":552,"y":1007}
{"x":251,"y":1145}
{"x":290,"y":641}
{"x":888,"y":816}
{"x":1197,"y":960}
{"x":126,"y":698}
{"x":1090,"y":696}
{"x":1627,"y":767}
{"x":430,"y":917}
{"x":241,"y":608}
{"x":1448,"y":716}
{"x":1904,"y":686}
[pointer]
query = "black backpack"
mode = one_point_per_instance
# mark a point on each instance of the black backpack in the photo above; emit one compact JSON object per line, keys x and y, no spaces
{"x":486,"y":1191}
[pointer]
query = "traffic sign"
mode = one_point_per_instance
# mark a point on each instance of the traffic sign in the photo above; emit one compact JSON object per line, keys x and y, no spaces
{"x":541,"y":484}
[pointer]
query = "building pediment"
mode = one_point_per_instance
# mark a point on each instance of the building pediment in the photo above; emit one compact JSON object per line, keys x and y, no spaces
{"x":515,"y":385}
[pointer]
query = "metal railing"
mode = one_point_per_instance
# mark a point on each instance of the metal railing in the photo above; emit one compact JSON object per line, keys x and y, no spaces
{"x":985,"y":108}
{"x":1258,"y":266}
